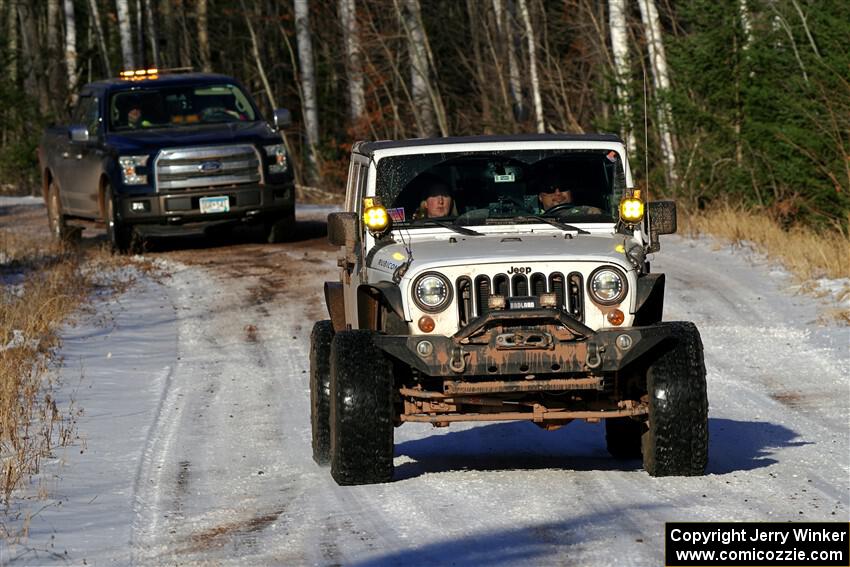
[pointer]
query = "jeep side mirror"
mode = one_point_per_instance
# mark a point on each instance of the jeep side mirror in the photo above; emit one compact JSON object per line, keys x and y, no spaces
{"x":662,"y":220}
{"x":343,"y":229}
{"x":78,"y":134}
{"x":282,"y":117}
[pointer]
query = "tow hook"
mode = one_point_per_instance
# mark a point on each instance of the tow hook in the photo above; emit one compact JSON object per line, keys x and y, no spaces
{"x":594,"y":358}
{"x":457,"y":362}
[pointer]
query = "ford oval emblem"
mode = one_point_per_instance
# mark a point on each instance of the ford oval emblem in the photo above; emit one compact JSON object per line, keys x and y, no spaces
{"x":210,"y":166}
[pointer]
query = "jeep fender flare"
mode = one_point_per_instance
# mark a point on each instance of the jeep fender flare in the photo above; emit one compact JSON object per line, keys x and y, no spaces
{"x":649,"y":302}
{"x":374,"y":298}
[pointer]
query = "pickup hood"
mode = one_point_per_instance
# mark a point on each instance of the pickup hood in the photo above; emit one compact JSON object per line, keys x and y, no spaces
{"x":446,"y":251}
{"x":149,"y":141}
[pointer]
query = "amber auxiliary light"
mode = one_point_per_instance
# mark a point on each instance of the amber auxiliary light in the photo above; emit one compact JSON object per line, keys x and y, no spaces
{"x":375,"y":216}
{"x":632,"y":208}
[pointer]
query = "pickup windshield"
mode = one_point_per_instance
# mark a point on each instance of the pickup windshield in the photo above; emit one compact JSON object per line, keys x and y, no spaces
{"x":188,"y":105}
{"x":505,"y":187}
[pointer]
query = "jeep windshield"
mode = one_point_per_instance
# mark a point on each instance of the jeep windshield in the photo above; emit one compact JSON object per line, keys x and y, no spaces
{"x":187,"y":105}
{"x":557,"y":187}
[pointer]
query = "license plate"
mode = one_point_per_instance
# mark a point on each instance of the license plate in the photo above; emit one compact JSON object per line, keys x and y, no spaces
{"x":215,"y":204}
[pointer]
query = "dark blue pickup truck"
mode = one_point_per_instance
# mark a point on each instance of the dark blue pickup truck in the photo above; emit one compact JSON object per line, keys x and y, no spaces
{"x":153,"y":153}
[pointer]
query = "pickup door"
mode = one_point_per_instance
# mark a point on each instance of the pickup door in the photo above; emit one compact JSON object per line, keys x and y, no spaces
{"x":81,"y":162}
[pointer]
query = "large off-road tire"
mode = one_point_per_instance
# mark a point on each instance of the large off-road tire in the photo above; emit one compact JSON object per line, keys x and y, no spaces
{"x":623,"y":437}
{"x":676,"y":441}
{"x":120,"y":236}
{"x":320,"y":390}
{"x":59,"y":229}
{"x":361,"y":410}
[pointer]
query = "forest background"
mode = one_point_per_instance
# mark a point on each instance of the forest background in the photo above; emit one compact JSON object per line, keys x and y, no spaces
{"x":741,"y":102}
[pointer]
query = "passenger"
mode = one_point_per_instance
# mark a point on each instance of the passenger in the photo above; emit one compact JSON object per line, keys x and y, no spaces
{"x":437,"y":201}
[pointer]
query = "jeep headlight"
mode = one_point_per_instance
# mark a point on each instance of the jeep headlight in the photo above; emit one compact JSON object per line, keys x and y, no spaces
{"x":130,"y":166}
{"x":607,"y":286}
{"x":277,"y":158}
{"x":432,"y":292}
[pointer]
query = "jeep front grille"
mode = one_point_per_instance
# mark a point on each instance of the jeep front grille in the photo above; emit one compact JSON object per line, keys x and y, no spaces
{"x":191,"y":168}
{"x":472,"y":295}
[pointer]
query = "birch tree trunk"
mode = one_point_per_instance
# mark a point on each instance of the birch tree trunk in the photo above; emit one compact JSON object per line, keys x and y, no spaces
{"x":140,"y":39}
{"x":153,"y":33}
{"x":661,"y":81}
{"x":353,"y":63}
{"x":101,"y":41}
{"x":419,"y":68}
{"x":620,"y":49}
{"x":308,"y":86}
{"x":532,"y":65}
{"x":203,"y":36}
{"x":12,"y":27}
{"x":505,"y":28}
{"x":71,"y":50}
{"x":126,"y":33}
{"x":170,"y":26}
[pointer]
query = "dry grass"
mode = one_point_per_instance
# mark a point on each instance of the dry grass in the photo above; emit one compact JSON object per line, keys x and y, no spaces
{"x":807,"y":254}
{"x":44,"y":283}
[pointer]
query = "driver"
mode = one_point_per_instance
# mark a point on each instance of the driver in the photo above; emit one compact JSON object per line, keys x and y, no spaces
{"x":553,"y":194}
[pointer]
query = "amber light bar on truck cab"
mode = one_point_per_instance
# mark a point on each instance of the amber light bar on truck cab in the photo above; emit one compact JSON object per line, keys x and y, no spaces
{"x":138,"y":74}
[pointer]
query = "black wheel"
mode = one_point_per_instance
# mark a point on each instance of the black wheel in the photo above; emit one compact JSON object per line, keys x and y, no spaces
{"x":119,"y":235}
{"x":55,"y":216}
{"x":676,"y":441}
{"x":320,"y":390}
{"x":623,"y":437}
{"x":279,"y":230}
{"x":361,"y":410}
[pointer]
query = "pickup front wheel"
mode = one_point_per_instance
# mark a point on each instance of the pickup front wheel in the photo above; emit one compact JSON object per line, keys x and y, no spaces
{"x":55,"y":217}
{"x":119,"y":235}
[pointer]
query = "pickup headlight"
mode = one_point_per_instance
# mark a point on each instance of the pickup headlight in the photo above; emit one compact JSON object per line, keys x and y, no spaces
{"x":277,"y":158}
{"x":432,"y":292}
{"x":607,"y":286}
{"x":130,"y":166}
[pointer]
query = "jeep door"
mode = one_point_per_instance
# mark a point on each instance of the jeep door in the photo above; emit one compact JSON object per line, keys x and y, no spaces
{"x":357,"y":177}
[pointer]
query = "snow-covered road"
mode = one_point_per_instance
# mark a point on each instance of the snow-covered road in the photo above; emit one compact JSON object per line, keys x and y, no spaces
{"x":195,"y":441}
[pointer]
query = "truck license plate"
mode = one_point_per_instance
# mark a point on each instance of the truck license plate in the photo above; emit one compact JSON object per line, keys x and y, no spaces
{"x":215,"y":204}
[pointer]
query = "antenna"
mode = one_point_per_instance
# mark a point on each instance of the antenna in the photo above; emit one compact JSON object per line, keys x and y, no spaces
{"x":646,"y":150}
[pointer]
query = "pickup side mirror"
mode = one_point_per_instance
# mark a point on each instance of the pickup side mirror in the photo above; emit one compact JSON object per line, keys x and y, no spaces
{"x":343,"y":229}
{"x":662,"y":220}
{"x":282,"y":117}
{"x":79,"y":134}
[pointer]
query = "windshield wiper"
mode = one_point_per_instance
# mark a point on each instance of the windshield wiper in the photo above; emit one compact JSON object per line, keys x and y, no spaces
{"x":458,"y":229}
{"x":555,"y":223}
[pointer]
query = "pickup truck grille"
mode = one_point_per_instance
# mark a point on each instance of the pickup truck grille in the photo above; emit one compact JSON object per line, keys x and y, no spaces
{"x":472,"y":295}
{"x":191,"y":168}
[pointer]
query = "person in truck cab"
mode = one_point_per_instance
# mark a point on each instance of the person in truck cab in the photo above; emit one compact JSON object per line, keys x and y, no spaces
{"x":134,"y":116}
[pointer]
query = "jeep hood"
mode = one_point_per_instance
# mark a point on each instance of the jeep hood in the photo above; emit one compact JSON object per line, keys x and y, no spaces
{"x":456,"y":250}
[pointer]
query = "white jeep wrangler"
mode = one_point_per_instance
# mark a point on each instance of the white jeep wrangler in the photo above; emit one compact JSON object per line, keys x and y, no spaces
{"x":499,"y":308}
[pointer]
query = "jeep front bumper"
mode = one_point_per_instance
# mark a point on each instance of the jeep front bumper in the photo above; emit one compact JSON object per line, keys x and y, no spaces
{"x":538,"y":342}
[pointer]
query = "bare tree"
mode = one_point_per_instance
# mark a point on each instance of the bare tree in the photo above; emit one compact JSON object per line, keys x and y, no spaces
{"x":153,"y":32}
{"x":620,"y":49}
{"x":101,"y":41}
{"x":203,"y":35}
{"x":308,"y":86}
{"x":71,"y":50}
{"x":140,"y":34}
{"x":125,"y":31}
{"x":505,"y":28}
{"x":12,"y":27}
{"x":419,"y":67}
{"x":353,"y":63}
{"x":532,"y":66}
{"x":170,"y":33}
{"x":661,"y":82}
